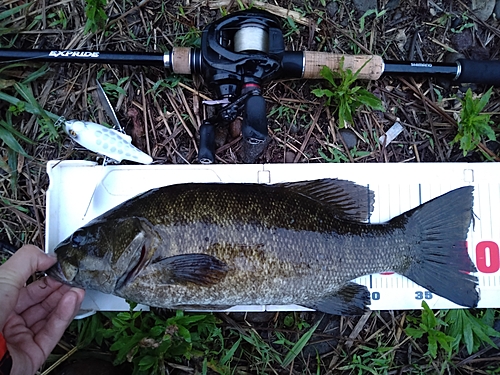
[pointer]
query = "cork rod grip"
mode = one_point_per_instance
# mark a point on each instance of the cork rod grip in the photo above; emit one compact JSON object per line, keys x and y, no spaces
{"x":181,"y":60}
{"x":314,"y":62}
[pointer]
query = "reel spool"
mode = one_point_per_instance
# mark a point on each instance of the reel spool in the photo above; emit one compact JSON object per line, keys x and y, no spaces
{"x":251,"y":38}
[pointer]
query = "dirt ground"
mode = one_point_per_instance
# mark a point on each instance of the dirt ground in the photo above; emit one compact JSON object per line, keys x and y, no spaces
{"x":163,"y":112}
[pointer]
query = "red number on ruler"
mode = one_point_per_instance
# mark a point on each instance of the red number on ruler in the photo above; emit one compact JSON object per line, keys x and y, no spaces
{"x":490,"y":248}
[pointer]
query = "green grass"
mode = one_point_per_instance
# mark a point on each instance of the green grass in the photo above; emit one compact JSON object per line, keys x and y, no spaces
{"x":474,"y":126}
{"x":446,"y":331}
{"x":430,"y":328}
{"x":5,"y":22}
{"x":21,"y":101}
{"x":96,"y":16}
{"x":344,"y":95}
{"x":147,"y":340}
{"x":470,"y":330}
{"x":338,"y":155}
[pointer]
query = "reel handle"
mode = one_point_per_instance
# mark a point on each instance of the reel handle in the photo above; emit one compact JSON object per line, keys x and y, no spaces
{"x":254,"y":126}
{"x":206,"y":153}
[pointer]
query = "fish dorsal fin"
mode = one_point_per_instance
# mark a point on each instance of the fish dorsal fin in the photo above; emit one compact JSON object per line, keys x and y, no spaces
{"x":347,"y":199}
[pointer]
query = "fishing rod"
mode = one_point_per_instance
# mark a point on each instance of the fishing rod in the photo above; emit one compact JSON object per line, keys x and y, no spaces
{"x":242,"y":51}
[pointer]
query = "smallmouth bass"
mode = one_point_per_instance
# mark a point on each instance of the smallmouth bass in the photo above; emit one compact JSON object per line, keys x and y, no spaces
{"x":216,"y":245}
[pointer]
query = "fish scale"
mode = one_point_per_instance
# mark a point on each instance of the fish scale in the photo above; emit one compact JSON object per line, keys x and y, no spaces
{"x":230,"y":244}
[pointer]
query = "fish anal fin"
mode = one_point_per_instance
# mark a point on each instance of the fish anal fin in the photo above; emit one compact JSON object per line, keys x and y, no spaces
{"x":199,"y":269}
{"x":350,"y":299}
{"x":347,"y":199}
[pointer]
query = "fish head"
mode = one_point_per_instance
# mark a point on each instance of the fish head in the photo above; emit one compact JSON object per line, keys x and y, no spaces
{"x":104,"y":254}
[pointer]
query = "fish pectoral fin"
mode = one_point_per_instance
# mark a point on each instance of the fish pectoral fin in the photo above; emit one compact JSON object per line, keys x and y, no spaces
{"x":347,"y":199}
{"x":199,"y":269}
{"x":350,"y":299}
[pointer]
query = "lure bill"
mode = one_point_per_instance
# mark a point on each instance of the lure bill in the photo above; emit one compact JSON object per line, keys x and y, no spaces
{"x":105,"y":141}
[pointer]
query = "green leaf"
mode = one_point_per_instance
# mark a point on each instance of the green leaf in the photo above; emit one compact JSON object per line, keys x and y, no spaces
{"x":117,"y":345}
{"x":10,"y":12}
{"x":484,"y":100}
{"x":10,"y":141}
{"x":230,"y":353}
{"x":28,"y":107}
{"x":297,"y":348}
{"x":370,"y":100}
{"x":184,"y":333}
{"x":468,"y":336}
{"x":414,"y":332}
{"x":157,"y":331}
{"x":432,"y":346}
{"x":319,"y":92}
{"x":484,"y":333}
{"x":489,"y":318}
{"x":327,"y":74}
{"x":123,"y":316}
{"x":15,"y":132}
{"x":147,"y":362}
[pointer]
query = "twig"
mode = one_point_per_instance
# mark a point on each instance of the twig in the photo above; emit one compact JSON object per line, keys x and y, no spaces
{"x":131,"y":10}
{"x":145,"y":116}
{"x":434,"y":134}
{"x":35,"y":209}
{"x":357,"y":329}
{"x":274,"y":9}
{"x":308,"y":135}
{"x":60,"y":360}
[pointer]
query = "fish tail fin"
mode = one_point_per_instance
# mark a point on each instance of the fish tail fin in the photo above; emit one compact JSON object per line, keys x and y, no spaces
{"x":438,"y":259}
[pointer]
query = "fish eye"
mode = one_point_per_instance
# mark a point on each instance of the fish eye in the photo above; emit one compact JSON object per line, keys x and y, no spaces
{"x":77,"y":238}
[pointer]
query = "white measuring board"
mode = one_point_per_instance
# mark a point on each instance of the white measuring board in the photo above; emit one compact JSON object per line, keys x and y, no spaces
{"x":80,"y":191}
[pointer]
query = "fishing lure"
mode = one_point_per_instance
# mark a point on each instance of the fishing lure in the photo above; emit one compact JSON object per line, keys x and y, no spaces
{"x":105,"y":141}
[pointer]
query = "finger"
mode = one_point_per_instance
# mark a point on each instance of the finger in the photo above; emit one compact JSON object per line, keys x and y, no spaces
{"x":25,"y":262}
{"x":42,"y":310}
{"x":37,"y":292}
{"x":14,"y":273}
{"x":59,"y":320}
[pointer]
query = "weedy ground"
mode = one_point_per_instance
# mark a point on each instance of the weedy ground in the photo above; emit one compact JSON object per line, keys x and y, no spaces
{"x":162,"y":113}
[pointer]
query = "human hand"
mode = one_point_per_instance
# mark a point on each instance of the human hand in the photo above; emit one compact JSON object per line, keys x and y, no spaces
{"x":33,"y":318}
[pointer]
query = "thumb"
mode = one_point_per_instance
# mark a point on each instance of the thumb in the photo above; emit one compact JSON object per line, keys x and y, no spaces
{"x":14,"y":273}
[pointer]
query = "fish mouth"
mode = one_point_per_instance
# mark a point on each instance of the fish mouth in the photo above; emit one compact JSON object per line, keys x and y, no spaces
{"x":57,"y":273}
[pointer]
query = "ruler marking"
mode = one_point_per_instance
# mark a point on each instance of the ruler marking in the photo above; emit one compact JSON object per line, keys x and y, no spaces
{"x":479,"y":208}
{"x":491,"y":212}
